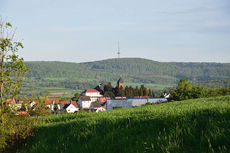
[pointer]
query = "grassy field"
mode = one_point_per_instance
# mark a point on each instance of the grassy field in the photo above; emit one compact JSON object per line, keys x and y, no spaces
{"x":192,"y":126}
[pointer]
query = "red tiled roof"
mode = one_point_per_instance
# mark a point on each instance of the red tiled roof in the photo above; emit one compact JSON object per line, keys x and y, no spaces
{"x":50,"y":101}
{"x":103,"y":99}
{"x":120,"y":97}
{"x":24,"y":113}
{"x":141,"y":97}
{"x":90,"y":90}
{"x":65,"y":104}
{"x":75,"y":104}
{"x":11,"y":101}
{"x":37,"y":102}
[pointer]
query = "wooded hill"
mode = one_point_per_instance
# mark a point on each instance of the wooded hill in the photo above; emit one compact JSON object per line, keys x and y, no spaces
{"x":135,"y":71}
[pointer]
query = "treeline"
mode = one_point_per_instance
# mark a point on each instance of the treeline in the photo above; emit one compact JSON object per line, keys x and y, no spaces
{"x":128,"y":92}
{"x":215,"y":84}
{"x":186,"y":90}
{"x":172,"y":70}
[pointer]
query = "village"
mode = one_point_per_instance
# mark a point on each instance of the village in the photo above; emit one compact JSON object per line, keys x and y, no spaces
{"x":90,"y":100}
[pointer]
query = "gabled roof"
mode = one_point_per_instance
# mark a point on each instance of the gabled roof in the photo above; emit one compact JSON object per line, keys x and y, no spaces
{"x":85,"y":98}
{"x":51,"y":101}
{"x":120,"y":80}
{"x":65,"y":104}
{"x":91,"y":90}
{"x":11,"y":101}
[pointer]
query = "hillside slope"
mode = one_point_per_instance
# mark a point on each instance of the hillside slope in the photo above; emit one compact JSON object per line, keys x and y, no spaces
{"x":200,"y":125}
{"x":135,"y":71}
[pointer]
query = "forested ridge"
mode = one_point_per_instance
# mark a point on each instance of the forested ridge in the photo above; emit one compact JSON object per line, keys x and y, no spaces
{"x":133,"y":70}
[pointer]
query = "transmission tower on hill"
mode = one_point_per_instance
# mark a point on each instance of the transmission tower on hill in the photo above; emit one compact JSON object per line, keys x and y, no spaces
{"x":118,"y":51}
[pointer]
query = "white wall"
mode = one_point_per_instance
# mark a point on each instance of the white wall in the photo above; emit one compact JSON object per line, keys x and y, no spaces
{"x":71,"y":109}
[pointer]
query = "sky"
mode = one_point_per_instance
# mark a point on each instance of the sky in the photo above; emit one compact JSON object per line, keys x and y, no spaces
{"x":89,"y":30}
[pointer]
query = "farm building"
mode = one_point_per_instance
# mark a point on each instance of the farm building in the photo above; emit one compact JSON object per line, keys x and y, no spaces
{"x":132,"y":102}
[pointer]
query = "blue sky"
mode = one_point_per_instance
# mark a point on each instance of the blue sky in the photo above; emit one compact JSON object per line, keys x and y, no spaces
{"x":88,"y":30}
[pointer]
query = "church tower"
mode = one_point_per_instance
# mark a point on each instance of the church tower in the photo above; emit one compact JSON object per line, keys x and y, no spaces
{"x":120,"y":83}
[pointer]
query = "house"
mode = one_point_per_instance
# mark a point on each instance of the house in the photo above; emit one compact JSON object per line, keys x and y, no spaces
{"x":70,"y":106}
{"x":11,"y":102}
{"x":32,"y":103}
{"x":97,"y":107}
{"x":84,"y":102}
{"x":93,"y":94}
{"x":50,"y":103}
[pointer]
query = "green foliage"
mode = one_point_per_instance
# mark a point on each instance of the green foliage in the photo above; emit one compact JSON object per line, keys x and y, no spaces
{"x":14,"y":130}
{"x":109,"y":94}
{"x":200,"y":125}
{"x":129,"y":92}
{"x":120,"y":92}
{"x":76,"y":96}
{"x":186,"y":90}
{"x":215,"y":84}
{"x":12,"y":70}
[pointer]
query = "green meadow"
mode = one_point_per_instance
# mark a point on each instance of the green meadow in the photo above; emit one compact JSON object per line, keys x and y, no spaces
{"x":191,"y":126}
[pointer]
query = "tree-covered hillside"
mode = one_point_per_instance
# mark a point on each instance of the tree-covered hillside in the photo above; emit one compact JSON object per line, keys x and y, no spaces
{"x":135,"y":71}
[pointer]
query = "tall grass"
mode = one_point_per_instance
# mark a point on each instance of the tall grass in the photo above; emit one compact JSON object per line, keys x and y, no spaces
{"x":201,"y":125}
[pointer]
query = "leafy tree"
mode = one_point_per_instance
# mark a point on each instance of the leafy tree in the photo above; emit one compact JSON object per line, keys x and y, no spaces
{"x":185,"y":90}
{"x":12,"y":67}
{"x":76,"y":96}
{"x":121,"y":92}
{"x":136,"y":91}
{"x":109,"y":94}
{"x":108,"y":87}
{"x":12,"y":70}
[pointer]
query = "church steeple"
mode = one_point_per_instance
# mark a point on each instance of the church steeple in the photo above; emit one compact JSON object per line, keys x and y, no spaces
{"x":120,"y":83}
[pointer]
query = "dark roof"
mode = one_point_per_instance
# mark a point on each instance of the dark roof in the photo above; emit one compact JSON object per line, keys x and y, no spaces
{"x":120,"y":80}
{"x":65,"y":104}
{"x":97,"y":104}
{"x":85,"y":98}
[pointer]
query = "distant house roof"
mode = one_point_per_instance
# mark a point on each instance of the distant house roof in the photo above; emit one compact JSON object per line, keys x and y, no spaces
{"x":103,"y":99}
{"x":24,"y":113}
{"x":91,"y":90}
{"x":65,"y":104}
{"x":85,"y":98}
{"x":120,"y":97}
{"x":51,"y":101}
{"x":140,"y":97}
{"x":97,"y":104}
{"x":11,"y":101}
